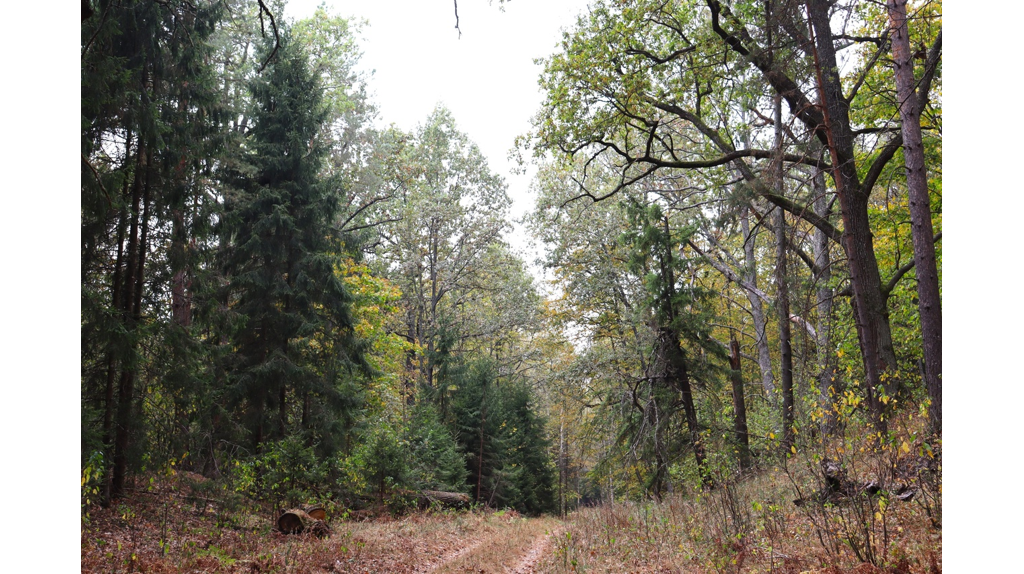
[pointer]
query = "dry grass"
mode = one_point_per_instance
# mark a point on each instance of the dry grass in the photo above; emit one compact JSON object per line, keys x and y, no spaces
{"x":180,"y":524}
{"x":164,"y":529}
{"x":752,"y":525}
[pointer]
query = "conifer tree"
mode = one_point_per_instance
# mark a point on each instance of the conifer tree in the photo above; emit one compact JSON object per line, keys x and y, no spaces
{"x":293,"y":330}
{"x":148,"y":130}
{"x":678,"y":316}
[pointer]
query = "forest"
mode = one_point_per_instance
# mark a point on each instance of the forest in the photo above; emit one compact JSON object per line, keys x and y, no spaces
{"x":724,"y":353}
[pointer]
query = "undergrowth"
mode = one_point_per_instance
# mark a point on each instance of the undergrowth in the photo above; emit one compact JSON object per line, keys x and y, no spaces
{"x":884,"y":516}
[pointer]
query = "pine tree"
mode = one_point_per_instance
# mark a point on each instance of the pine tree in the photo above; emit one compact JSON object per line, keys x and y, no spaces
{"x":678,"y":316}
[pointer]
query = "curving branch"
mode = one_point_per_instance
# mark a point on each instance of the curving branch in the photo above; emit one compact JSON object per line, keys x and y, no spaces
{"x":895,"y":279}
{"x":799,"y":104}
{"x":99,"y":181}
{"x":883,"y":47}
{"x":263,"y":30}
{"x":731,"y":275}
{"x":658,"y":60}
{"x":457,"y":18}
{"x":875,"y":170}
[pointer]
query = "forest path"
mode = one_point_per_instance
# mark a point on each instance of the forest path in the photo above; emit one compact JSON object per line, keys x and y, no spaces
{"x":540,"y":547}
{"x":478,"y":542}
{"x":515,"y":547}
{"x":449,"y":557}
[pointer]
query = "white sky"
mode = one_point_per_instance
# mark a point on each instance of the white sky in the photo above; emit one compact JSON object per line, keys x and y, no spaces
{"x":487,"y":77}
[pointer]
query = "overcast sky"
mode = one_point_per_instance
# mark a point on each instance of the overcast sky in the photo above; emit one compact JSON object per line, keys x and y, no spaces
{"x":486,"y":77}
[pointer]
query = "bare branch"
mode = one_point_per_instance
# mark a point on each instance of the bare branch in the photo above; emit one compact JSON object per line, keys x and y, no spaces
{"x":457,"y":18}
{"x":931,"y":64}
{"x":658,"y":59}
{"x":882,"y":48}
{"x":735,"y":278}
{"x":875,"y":170}
{"x":887,"y":289}
{"x":96,"y":174}
{"x":273,"y":24}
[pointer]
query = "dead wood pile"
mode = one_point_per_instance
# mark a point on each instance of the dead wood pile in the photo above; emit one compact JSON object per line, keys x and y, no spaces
{"x":838,"y":487}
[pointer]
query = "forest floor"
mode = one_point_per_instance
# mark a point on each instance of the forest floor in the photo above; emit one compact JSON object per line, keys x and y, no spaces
{"x":167,"y":527}
{"x":178,"y":522}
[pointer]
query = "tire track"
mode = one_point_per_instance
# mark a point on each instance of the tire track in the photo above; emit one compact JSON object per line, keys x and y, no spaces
{"x":537,"y":550}
{"x":448,"y":557}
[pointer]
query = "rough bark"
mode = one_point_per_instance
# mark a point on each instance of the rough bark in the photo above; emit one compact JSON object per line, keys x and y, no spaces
{"x":739,"y":406}
{"x":873,"y":329}
{"x":446,"y":499}
{"x":297,"y":521}
{"x":926,"y":269}
{"x":785,"y":332}
{"x":782,"y":292}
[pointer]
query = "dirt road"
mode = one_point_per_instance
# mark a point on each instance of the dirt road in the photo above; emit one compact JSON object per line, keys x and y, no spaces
{"x":517,"y":546}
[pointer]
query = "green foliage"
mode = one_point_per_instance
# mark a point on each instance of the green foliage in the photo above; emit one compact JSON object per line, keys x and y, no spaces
{"x":92,"y":477}
{"x":435,"y":462}
{"x":149,"y":117}
{"x":287,"y":473}
{"x":293,"y":326}
{"x":382,"y":460}
{"x":507,"y":452}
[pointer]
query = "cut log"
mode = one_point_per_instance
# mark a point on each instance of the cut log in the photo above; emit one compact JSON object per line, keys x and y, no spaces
{"x":317,"y":512}
{"x":445,"y":499}
{"x":297,"y":521}
{"x":294,"y":521}
{"x":838,"y":488}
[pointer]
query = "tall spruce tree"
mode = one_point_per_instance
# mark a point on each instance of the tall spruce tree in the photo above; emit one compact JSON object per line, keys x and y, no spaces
{"x":293,"y":333}
{"x":148,"y":131}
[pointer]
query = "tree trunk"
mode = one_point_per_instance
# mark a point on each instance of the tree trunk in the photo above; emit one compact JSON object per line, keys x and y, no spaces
{"x":830,"y":387}
{"x":872,"y":317}
{"x":561,"y":465}
{"x":830,"y":123}
{"x":446,"y":499}
{"x":764,"y":358}
{"x":739,"y":405}
{"x":282,"y":413}
{"x":782,"y":291}
{"x":132,"y":284}
{"x":116,"y":287}
{"x":785,"y":332}
{"x":925,"y":267}
{"x":674,"y":365}
{"x":480,"y":460}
